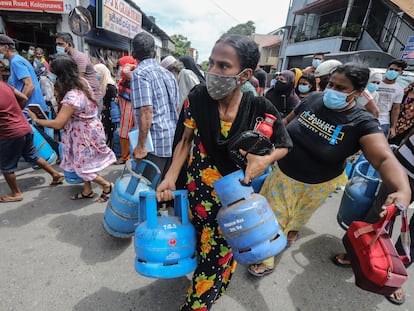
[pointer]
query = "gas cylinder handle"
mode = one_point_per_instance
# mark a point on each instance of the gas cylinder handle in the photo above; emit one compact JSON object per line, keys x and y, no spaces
{"x":148,"y":207}
{"x":139,"y":168}
{"x":181,"y":200}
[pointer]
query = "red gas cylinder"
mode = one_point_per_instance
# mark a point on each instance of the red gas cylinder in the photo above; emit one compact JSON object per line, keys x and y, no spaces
{"x":266,"y":126}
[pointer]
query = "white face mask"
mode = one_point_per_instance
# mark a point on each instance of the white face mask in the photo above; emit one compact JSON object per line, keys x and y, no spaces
{"x":219,"y":86}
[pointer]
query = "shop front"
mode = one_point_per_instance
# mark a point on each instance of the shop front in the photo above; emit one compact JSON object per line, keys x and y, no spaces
{"x":33,"y":22}
{"x":117,"y":22}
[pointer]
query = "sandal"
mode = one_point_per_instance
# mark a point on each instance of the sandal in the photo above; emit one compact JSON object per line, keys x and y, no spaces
{"x":105,"y":195}
{"x":341,"y":260}
{"x":81,"y":196}
{"x":260,"y":269}
{"x":397,"y":297}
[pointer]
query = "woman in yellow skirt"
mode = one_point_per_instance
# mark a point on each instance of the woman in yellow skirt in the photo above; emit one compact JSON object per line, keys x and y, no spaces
{"x":326,"y":128}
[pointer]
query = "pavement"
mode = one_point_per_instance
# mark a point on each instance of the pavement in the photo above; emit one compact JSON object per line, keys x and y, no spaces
{"x":55,"y":255}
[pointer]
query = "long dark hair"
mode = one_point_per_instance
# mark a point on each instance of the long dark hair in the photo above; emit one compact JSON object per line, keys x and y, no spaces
{"x":68,"y":77}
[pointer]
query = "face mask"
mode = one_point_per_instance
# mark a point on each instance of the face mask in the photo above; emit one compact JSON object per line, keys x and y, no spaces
{"x":316,"y":63}
{"x":219,"y":86}
{"x":30,"y":52}
{"x":281,"y":86}
{"x":52,"y":77}
{"x":335,"y":100}
{"x":372,"y":87}
{"x":1,"y":56}
{"x":60,"y":50}
{"x":303,"y":88}
{"x":391,"y":74}
{"x":98,"y":76}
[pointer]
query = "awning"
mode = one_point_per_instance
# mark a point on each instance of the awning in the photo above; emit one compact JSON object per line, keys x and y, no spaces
{"x":321,"y":6}
{"x":102,"y":37}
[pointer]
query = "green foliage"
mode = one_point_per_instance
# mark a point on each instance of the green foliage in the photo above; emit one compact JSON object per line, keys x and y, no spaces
{"x":204,"y":65}
{"x":246,"y":29}
{"x":182,"y":45}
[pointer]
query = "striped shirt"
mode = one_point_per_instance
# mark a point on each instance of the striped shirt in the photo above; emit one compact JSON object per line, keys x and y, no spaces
{"x":405,"y":154}
{"x":152,"y":85}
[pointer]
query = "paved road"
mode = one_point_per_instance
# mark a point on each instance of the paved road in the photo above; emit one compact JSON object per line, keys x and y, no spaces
{"x":55,"y":255}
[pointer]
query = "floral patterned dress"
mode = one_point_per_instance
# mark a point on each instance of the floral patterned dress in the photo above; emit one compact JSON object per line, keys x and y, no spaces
{"x":215,"y":258}
{"x":84,"y":149}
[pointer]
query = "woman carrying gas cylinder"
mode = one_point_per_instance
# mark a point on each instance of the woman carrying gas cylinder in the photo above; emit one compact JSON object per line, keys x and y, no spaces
{"x":215,"y":114}
{"x":326,"y":128}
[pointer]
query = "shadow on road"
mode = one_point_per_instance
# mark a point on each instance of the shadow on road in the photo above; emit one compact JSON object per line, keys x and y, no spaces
{"x":88,"y":233}
{"x":159,"y":295}
{"x":324,"y":286}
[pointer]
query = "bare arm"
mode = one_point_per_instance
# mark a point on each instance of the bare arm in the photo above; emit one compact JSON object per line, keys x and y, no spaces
{"x":289,"y":118}
{"x":372,"y":107}
{"x":144,"y":124}
{"x":395,"y":112}
{"x":180,"y":154}
{"x":257,"y":164}
{"x":28,"y":86}
{"x":21,"y":98}
{"x":59,"y":122}
{"x":379,"y":154}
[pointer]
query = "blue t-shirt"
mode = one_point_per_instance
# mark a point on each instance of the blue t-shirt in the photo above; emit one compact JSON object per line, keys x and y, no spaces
{"x":20,"y":68}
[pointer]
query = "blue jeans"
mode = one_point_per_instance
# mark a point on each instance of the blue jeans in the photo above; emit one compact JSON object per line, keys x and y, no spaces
{"x":386,"y":129}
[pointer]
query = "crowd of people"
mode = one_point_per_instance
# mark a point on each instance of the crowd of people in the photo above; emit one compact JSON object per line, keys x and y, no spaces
{"x":324,"y":113}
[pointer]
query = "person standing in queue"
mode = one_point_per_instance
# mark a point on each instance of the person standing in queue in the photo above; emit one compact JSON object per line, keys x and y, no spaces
{"x":155,"y":99}
{"x":326,"y":128}
{"x":215,"y":115}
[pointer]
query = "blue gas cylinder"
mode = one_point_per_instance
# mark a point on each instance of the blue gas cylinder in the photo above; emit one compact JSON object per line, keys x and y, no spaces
{"x":247,"y":221}
{"x":165,"y":245}
{"x":43,"y":149}
{"x":116,"y":143}
{"x":70,"y":177}
{"x":359,"y":194}
{"x":121,"y":215}
{"x":115,"y":112}
{"x":257,"y":182}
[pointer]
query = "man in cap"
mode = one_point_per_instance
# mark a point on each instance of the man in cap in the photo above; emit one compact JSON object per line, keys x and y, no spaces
{"x":22,"y":75}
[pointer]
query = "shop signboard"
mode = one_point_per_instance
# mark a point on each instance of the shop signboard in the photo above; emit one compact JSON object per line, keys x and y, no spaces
{"x":119,"y":17}
{"x":49,"y":6}
{"x":408,"y":52}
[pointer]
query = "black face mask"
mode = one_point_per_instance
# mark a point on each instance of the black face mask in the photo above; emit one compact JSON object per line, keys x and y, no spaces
{"x":280,"y":86}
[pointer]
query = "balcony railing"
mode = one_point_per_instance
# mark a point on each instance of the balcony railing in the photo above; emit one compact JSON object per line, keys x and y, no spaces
{"x":329,"y":30}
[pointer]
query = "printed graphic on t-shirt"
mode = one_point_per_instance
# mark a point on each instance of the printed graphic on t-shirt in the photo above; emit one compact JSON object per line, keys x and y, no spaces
{"x":332,"y":133}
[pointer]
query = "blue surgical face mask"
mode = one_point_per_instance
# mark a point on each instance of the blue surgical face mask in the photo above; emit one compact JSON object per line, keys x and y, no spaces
{"x":302,"y":88}
{"x":316,"y":62}
{"x":391,"y":74}
{"x":372,"y":87}
{"x":335,"y":100}
{"x":60,"y":49}
{"x":52,"y":77}
{"x":98,"y":76}
{"x":1,"y":56}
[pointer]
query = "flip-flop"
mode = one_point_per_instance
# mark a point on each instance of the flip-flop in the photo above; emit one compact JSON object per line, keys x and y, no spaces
{"x":395,"y":300}
{"x":266,"y":270}
{"x":58,"y":181}
{"x":8,"y":199}
{"x":81,"y":196}
{"x":336,"y":261}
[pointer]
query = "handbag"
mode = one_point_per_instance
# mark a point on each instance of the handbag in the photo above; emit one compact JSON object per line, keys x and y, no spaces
{"x":377,"y":266}
{"x":250,"y":141}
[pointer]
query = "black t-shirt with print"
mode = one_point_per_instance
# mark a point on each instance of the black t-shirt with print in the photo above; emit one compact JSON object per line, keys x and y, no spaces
{"x":323,"y":139}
